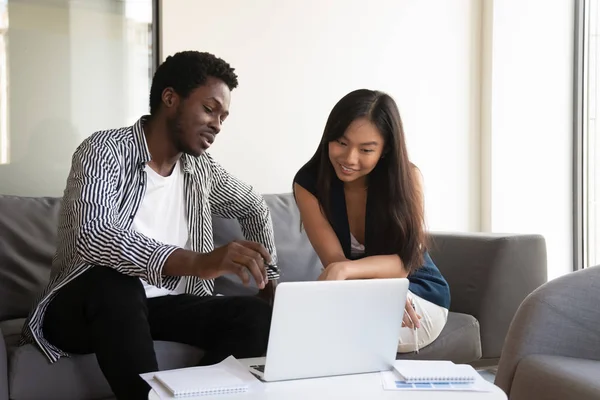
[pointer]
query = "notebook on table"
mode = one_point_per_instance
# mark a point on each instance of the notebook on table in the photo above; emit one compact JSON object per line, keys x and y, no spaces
{"x":416,"y":371}
{"x":227,"y":377}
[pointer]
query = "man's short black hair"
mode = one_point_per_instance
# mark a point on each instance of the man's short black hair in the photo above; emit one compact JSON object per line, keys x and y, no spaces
{"x":186,"y":71}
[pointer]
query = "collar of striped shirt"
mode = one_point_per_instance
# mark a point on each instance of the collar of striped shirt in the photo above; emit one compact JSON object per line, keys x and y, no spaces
{"x":141,"y":146}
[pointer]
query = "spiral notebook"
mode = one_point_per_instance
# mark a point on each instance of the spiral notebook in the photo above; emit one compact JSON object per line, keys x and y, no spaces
{"x":416,"y":371}
{"x":227,"y":377}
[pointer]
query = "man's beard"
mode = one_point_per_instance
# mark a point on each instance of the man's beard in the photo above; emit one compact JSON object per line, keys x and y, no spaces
{"x":176,"y":134}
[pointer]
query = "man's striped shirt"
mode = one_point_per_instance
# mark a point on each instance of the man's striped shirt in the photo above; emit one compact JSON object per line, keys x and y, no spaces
{"x":104,"y":189}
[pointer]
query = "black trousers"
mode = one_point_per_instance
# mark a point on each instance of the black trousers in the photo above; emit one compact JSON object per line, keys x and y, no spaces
{"x":107,"y":313}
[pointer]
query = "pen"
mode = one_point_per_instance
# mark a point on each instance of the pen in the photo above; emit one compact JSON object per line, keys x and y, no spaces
{"x":412,"y":303}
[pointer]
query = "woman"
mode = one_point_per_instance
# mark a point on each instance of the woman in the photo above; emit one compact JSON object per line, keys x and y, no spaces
{"x":361,"y":204}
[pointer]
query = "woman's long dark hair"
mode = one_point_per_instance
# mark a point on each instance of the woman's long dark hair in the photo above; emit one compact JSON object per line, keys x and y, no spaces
{"x":398,"y":209}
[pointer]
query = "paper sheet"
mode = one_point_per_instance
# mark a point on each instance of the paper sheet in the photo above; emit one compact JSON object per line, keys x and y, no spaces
{"x":391,"y":381}
{"x":230,"y":363}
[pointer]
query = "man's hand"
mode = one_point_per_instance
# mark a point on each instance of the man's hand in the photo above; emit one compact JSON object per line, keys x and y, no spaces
{"x":268,"y":293}
{"x":240,"y":257}
{"x":337,"y":271}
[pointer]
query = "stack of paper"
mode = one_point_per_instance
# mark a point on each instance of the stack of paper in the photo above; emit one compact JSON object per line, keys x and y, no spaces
{"x":433,"y":375}
{"x":226,"y":377}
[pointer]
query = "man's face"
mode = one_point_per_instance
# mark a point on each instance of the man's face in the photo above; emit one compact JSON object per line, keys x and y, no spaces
{"x":194,"y":122}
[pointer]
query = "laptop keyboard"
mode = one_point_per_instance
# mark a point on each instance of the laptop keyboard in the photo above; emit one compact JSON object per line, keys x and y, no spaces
{"x":260,"y":368}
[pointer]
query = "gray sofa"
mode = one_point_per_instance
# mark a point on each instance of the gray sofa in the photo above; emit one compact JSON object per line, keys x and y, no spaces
{"x":489,"y":276}
{"x":552,"y":350}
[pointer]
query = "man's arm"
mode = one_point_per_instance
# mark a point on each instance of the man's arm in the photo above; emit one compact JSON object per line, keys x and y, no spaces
{"x":232,"y":198}
{"x":90,"y":206}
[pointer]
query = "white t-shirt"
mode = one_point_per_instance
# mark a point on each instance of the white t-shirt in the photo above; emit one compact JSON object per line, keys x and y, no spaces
{"x":162,"y":217}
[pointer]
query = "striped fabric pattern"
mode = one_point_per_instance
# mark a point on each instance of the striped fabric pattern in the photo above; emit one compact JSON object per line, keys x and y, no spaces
{"x":104,"y":190}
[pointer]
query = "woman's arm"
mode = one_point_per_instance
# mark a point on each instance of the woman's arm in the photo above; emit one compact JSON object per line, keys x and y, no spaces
{"x":320,"y":233}
{"x":385,"y":266}
{"x":330,"y":252}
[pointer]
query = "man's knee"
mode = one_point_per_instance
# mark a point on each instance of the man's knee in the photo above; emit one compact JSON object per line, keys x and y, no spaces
{"x":260,"y":313}
{"x":259,"y":310}
{"x":99,"y":295}
{"x":254,"y":320}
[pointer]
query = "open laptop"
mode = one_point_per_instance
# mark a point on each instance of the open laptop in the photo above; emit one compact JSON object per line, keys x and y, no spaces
{"x":327,"y":328}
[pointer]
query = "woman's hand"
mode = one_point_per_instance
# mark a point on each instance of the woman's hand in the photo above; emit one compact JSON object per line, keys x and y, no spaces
{"x":337,"y":271}
{"x":410,"y":316}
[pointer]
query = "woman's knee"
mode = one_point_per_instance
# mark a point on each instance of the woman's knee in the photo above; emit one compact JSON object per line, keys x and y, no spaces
{"x":430,"y":330}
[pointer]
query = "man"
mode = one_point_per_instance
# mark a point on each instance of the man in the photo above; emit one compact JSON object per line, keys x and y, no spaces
{"x":135,"y":259}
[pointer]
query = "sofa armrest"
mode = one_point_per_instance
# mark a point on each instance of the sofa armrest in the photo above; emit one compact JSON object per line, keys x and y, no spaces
{"x":3,"y":369}
{"x":560,"y":318}
{"x":489,"y":276}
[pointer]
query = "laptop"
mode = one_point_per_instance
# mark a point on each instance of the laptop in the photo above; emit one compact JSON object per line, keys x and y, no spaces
{"x":328,"y":328}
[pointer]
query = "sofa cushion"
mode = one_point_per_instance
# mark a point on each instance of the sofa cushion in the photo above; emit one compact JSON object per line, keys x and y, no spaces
{"x":546,"y":377}
{"x":28,"y":230}
{"x":11,"y":330}
{"x":458,"y":342}
{"x":297,"y":259}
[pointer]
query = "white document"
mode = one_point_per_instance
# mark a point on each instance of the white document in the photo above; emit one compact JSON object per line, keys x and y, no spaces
{"x":230,"y":370}
{"x":415,"y":371}
{"x":391,"y":380}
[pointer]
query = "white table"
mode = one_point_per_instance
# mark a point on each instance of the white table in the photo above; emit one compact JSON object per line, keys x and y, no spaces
{"x":361,"y":386}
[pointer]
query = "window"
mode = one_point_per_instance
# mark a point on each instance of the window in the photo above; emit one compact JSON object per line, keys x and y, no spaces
{"x":67,"y":69}
{"x":589,"y":159}
{"x":4,"y":144}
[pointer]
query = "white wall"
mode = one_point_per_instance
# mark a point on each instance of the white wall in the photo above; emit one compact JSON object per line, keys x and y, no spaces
{"x":531,"y":123}
{"x":484,"y":88}
{"x":295,"y":59}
